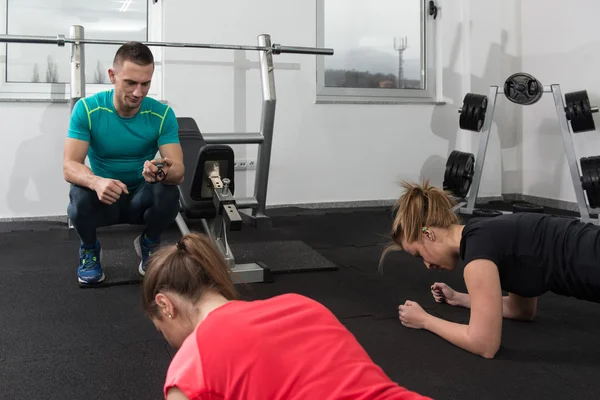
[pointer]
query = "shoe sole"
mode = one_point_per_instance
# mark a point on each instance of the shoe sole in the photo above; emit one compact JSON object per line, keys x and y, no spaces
{"x":138,"y":250}
{"x":101,"y":278}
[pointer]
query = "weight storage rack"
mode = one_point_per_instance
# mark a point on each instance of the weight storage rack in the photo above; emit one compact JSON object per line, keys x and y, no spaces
{"x":462,"y":179}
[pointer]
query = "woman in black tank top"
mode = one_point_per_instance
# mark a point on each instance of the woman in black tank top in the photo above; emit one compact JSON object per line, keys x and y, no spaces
{"x":525,"y":255}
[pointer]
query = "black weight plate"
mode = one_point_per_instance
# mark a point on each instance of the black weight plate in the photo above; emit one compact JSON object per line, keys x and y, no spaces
{"x":527,"y":208}
{"x":523,"y":89}
{"x":458,"y":181}
{"x":459,"y":173}
{"x":586,"y":180}
{"x":486,"y":213}
{"x":449,"y":174}
{"x":579,"y":111}
{"x":448,"y":178}
{"x":463,"y":121}
{"x":595,"y":179}
{"x":467,"y":174}
{"x":473,"y":112}
{"x":454,"y":182}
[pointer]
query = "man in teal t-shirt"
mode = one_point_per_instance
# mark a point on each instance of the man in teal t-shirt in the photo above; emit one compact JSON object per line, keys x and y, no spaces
{"x":121,"y":131}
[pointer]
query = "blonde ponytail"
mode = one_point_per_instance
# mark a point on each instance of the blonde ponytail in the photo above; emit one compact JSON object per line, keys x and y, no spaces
{"x":419,"y":206}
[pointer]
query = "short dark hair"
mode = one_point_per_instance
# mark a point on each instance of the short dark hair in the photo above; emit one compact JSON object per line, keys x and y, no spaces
{"x":135,"y":52}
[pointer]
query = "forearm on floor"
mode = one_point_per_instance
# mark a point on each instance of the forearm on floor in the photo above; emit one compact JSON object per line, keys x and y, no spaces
{"x":458,"y":335}
{"x":79,"y":174}
{"x":464,"y":300}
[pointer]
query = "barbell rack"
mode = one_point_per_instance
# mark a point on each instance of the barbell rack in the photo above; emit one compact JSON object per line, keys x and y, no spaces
{"x":264,"y":138}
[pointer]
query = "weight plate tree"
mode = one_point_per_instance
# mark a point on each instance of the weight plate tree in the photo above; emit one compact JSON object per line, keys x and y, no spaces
{"x":459,"y":173}
{"x":590,"y":179}
{"x":579,"y":111}
{"x":472,"y":113}
{"x":523,"y":89}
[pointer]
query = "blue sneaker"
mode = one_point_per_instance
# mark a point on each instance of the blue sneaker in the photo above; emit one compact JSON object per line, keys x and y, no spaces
{"x":144,"y":248}
{"x":90,"y":267}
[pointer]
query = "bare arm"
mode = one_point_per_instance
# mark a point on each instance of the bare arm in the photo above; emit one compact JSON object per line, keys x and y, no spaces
{"x":175,"y":394}
{"x":74,"y":169}
{"x":513,"y":306}
{"x":174,"y":153}
{"x":483,"y":333}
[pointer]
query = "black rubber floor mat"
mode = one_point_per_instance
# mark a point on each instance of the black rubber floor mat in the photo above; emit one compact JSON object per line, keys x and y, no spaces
{"x":282,"y":256}
{"x":134,"y":370}
{"x":530,"y":364}
{"x":343,"y":291}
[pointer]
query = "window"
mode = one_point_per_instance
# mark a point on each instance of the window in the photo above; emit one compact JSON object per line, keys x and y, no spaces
{"x":384,"y":51}
{"x":43,"y":71}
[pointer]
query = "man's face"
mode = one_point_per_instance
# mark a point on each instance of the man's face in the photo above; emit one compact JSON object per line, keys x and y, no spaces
{"x":132,"y":83}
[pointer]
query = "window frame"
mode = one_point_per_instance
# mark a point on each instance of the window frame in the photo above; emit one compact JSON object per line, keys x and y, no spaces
{"x":43,"y":91}
{"x":429,"y":68}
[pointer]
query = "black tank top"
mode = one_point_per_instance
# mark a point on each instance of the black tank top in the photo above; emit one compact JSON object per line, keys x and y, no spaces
{"x":536,"y":253}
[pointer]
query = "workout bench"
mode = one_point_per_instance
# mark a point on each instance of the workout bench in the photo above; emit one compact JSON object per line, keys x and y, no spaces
{"x":207,"y":194}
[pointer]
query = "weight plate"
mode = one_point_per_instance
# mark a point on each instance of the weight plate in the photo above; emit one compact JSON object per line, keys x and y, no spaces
{"x":486,"y":213}
{"x":454,"y":174}
{"x":523,"y":89}
{"x":593,"y":168}
{"x":458,"y":175}
{"x":527,"y":208}
{"x":449,"y":165}
{"x":460,"y":172}
{"x":467,"y":175}
{"x":579,"y":111}
{"x":586,"y":180}
{"x":473,"y":112}
{"x":448,"y":178}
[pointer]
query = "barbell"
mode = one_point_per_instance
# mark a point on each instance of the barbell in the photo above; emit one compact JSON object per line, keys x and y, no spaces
{"x":61,"y":40}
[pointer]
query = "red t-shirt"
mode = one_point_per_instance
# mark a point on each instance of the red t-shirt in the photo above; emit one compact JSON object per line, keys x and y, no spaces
{"x":287,"y":347}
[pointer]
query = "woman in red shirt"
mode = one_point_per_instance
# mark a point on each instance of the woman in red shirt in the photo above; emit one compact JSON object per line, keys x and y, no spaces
{"x":285,"y":347}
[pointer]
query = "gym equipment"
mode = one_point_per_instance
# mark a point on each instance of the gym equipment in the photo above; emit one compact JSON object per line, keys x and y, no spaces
{"x":472,"y":113}
{"x":264,"y":139}
{"x":484,"y":213}
{"x":459,"y":173}
{"x":579,"y":111}
{"x":524,"y":89}
{"x":207,"y":194}
{"x":590,"y":179}
{"x":525,"y":207}
{"x":61,"y":40}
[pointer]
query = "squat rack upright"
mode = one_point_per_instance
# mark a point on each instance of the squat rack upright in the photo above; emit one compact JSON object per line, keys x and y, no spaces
{"x":264,"y":138}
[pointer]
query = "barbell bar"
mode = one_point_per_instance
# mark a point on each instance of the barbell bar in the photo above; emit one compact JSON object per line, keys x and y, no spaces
{"x":61,"y":40}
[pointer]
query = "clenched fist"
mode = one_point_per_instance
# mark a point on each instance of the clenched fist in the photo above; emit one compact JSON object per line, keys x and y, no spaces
{"x":443,"y":293}
{"x":109,"y":190}
{"x":152,"y":173}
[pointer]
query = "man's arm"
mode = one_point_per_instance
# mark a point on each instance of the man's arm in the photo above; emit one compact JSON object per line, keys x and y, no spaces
{"x":74,"y":169}
{"x":513,"y":306}
{"x":76,"y":148}
{"x":170,"y":148}
{"x":174,"y":153}
{"x":483,"y":333}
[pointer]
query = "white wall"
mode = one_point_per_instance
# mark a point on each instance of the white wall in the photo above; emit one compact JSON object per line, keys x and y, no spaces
{"x":321,"y":152}
{"x":560,"y":46}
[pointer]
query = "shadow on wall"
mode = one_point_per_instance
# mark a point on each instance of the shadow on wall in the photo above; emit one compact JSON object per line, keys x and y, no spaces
{"x":551,"y":150}
{"x":38,"y":166}
{"x":507,"y":117}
